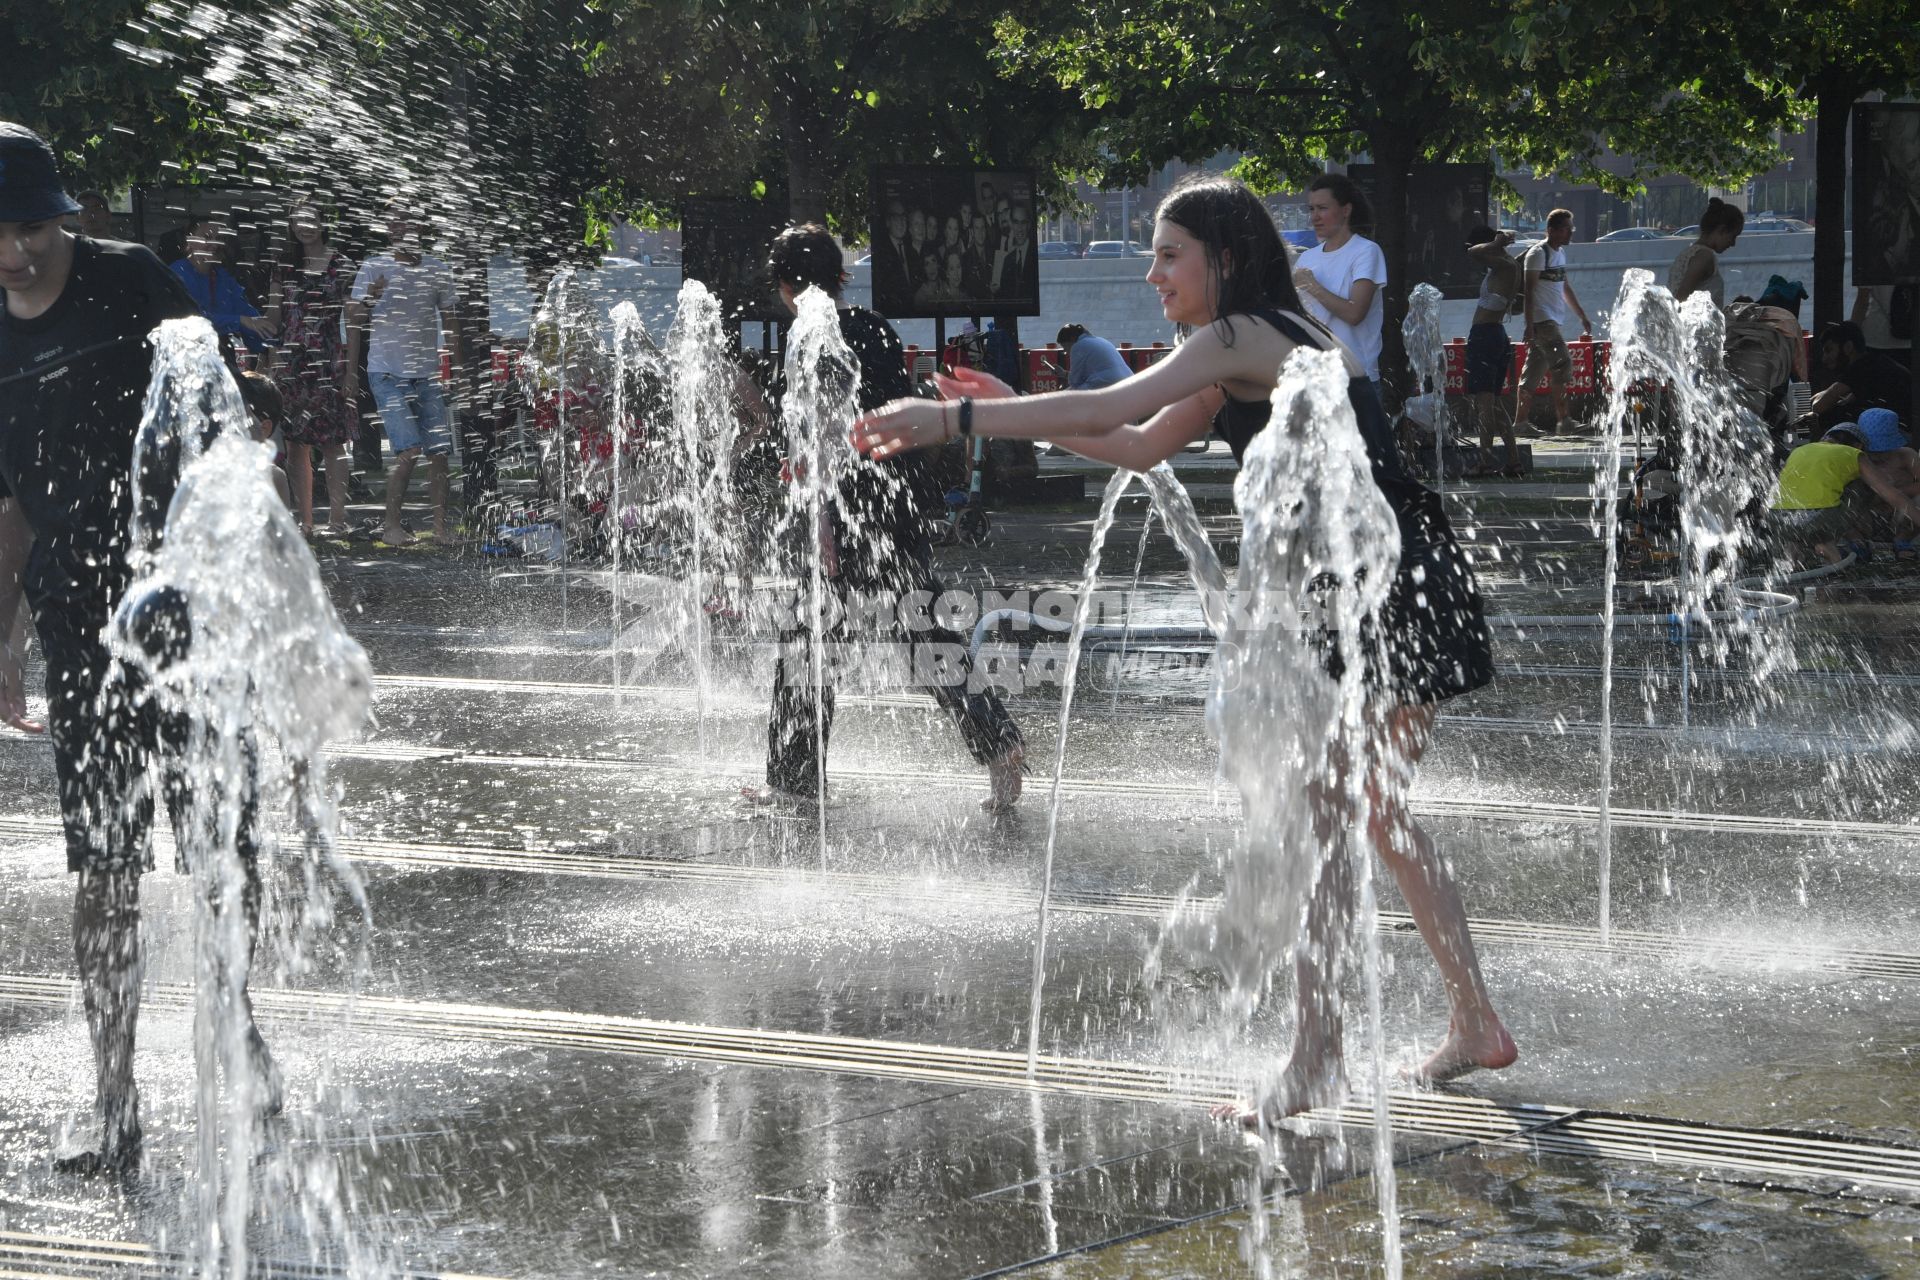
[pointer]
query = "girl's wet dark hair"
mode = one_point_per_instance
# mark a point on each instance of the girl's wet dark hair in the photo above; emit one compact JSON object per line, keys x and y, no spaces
{"x":807,"y":255}
{"x":1345,"y":190}
{"x":1721,"y":216}
{"x":1247,"y":262}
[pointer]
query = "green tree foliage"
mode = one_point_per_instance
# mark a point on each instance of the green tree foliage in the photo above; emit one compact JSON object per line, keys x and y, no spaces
{"x":478,"y":114}
{"x":726,"y":97}
{"x":475,"y":115}
{"x":101,"y":81}
{"x":1293,"y":82}
{"x":1830,"y":56}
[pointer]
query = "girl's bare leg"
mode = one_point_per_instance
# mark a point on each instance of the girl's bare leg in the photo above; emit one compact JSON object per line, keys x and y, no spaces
{"x":1476,"y":1037}
{"x":300,"y":464}
{"x":1314,"y":1075}
{"x":336,"y":461}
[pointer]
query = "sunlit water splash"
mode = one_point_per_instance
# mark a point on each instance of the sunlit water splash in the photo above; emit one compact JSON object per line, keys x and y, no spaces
{"x":230,"y":626}
{"x":817,"y":412}
{"x":1426,"y":340}
{"x":1668,"y":378}
{"x":705,"y":423}
{"x":632,"y":357}
{"x":566,"y":368}
{"x":1083,"y":608}
{"x":1319,"y":550}
{"x":1174,"y":505}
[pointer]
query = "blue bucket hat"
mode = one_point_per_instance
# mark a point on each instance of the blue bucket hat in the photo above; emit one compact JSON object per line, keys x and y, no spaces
{"x":1881,"y":429}
{"x":30,"y":189}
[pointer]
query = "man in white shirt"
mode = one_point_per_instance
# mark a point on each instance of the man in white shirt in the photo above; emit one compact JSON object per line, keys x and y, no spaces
{"x":411,"y":300}
{"x":1550,"y":298}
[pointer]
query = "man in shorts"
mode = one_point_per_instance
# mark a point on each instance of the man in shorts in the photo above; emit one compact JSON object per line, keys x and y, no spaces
{"x":1489,"y":350}
{"x":410,"y":299}
{"x":1550,"y":301}
{"x":74,"y":367}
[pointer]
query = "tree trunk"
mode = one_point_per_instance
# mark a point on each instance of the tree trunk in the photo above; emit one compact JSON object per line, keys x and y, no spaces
{"x":1393,"y":151}
{"x":802,"y":138}
{"x":1833,"y":109}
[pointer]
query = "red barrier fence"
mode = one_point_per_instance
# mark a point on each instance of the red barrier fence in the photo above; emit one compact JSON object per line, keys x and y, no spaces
{"x":1046,"y":370}
{"x":1046,"y":366}
{"x":1589,"y":367}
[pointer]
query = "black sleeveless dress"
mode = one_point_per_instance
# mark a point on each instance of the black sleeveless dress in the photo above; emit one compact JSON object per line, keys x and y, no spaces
{"x":1432,"y":640}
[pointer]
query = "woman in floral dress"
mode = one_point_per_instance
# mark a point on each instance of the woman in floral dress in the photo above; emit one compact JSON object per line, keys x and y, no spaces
{"x":310,"y":291}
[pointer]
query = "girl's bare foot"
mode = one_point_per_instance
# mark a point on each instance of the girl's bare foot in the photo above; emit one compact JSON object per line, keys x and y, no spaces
{"x":778,"y":797}
{"x":1298,"y":1090}
{"x":1004,"y":780}
{"x":394,"y":536}
{"x":1487,"y":1048}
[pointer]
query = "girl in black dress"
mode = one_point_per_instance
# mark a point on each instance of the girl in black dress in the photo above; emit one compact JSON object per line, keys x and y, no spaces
{"x":1221,"y":270}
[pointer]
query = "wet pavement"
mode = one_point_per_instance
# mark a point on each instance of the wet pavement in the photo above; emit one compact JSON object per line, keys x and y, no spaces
{"x":607,"y":1019}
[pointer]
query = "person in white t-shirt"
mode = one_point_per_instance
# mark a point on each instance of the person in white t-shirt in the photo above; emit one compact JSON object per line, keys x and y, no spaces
{"x":1340,"y":278}
{"x":412,"y":304}
{"x":1886,"y":317}
{"x":1550,"y":298}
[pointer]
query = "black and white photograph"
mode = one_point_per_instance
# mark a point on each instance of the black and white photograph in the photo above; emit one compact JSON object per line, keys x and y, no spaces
{"x":1444,"y":203}
{"x":724,"y":245}
{"x":1886,"y":193}
{"x":954,"y":242}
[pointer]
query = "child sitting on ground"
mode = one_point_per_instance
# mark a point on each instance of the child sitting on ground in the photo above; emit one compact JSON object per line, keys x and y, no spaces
{"x":1841,"y":491}
{"x":266,"y":408}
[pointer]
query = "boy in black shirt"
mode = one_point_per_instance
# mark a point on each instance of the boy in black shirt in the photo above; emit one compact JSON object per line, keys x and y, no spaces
{"x":1862,"y":378}
{"x":881,"y":549}
{"x":74,"y":367}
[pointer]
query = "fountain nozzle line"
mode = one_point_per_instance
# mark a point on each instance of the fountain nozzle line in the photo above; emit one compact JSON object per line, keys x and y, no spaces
{"x":1756,"y":605}
{"x":1765,"y":953}
{"x":1864,"y":1169}
{"x":118,"y":1257}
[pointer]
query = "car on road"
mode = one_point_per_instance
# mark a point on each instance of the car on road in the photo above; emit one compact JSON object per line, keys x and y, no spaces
{"x":1757,"y":227}
{"x":1633,"y":233}
{"x":1301,"y":237}
{"x":1059,"y":249}
{"x":1117,"y":249}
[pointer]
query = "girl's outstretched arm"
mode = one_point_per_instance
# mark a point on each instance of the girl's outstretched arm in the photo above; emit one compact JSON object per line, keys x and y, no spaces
{"x":1185,"y":382}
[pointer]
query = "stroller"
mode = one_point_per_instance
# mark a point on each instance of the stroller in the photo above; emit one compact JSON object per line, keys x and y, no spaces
{"x":1759,"y":359}
{"x":1647,"y":533}
{"x":1756,"y":384}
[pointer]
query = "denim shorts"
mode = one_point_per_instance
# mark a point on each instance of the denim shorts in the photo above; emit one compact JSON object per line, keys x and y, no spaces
{"x":1489,"y":358}
{"x":414,"y":412}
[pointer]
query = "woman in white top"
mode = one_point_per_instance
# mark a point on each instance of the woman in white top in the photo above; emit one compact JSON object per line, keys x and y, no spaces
{"x":1879,"y":312}
{"x":1340,"y":278}
{"x":1698,"y":266}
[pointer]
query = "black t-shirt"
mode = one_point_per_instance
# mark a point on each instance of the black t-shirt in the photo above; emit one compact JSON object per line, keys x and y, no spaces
{"x":72,"y":381}
{"x":1878,"y":382}
{"x":882,"y":504}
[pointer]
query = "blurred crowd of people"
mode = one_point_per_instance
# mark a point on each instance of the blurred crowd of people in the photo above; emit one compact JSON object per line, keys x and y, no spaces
{"x":351,"y":349}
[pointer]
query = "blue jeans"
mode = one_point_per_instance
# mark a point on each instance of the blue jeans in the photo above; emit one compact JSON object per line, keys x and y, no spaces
{"x":414,"y":413}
